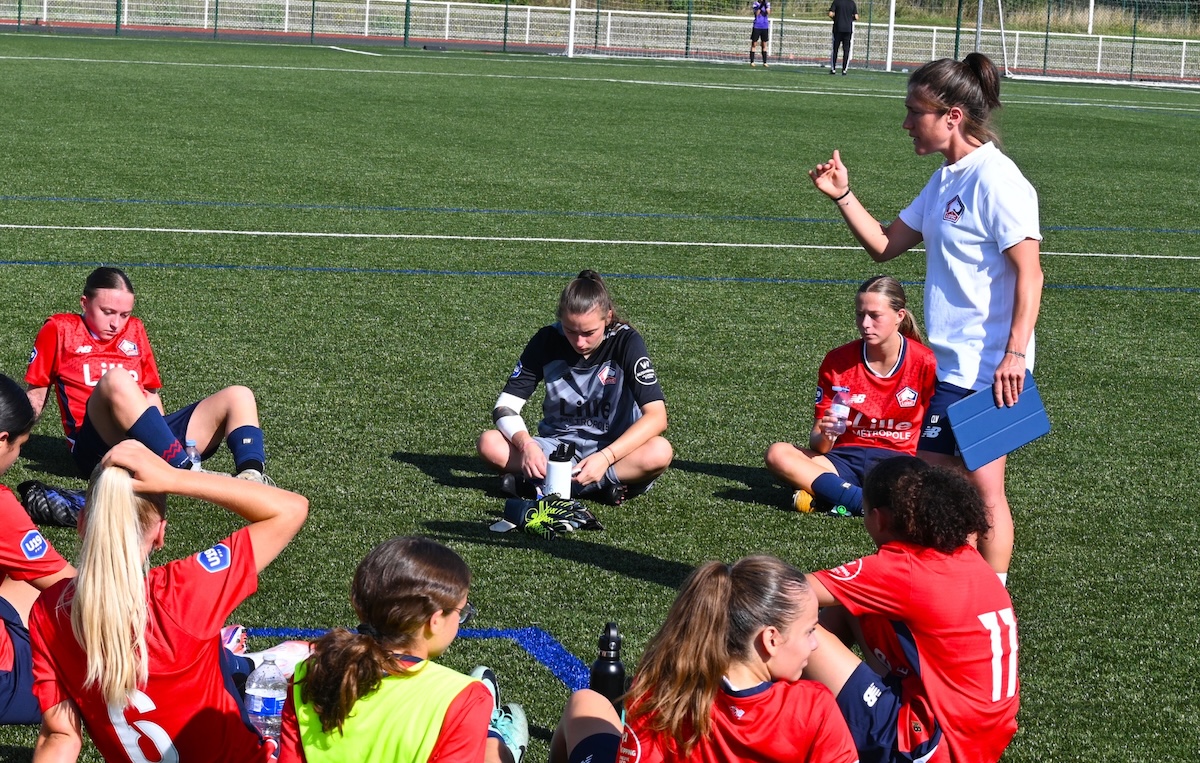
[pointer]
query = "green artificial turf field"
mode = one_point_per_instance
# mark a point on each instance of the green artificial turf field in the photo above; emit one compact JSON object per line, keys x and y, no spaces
{"x":368,"y":241}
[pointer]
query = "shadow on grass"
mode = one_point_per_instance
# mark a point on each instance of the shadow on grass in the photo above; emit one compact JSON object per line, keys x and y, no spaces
{"x":471,"y":473}
{"x":15,"y":754}
{"x":448,"y":471}
{"x":578,"y":548}
{"x":760,"y":486}
{"x":48,"y":455}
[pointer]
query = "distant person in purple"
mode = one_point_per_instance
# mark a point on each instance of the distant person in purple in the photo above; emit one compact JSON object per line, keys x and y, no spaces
{"x":762,"y":30}
{"x":844,"y":13}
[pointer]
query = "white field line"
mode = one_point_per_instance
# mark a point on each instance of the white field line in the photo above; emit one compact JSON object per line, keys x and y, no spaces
{"x":519,"y":239}
{"x":359,"y":52}
{"x":1077,"y":103}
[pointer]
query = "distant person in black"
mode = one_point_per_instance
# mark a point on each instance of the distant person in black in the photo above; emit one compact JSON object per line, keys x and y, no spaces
{"x":844,"y":13}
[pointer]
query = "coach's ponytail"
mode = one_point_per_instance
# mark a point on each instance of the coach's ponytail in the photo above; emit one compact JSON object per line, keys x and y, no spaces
{"x":712,"y":625}
{"x":398,"y":586}
{"x":972,"y":85}
{"x":109,"y":610}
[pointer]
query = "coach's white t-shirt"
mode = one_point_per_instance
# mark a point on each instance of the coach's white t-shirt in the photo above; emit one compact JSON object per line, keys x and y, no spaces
{"x":968,"y":214}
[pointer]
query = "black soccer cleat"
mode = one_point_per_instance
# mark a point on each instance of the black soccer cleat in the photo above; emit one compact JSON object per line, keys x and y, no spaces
{"x":517,"y":487}
{"x":47,"y":505}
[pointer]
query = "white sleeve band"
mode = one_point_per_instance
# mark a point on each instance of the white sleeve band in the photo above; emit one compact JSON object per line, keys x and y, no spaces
{"x":511,"y":422}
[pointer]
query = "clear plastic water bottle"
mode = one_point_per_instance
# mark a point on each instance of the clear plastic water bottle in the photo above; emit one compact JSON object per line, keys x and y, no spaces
{"x":193,"y":454}
{"x":840,"y":409}
{"x":608,"y":672}
{"x":266,"y":692}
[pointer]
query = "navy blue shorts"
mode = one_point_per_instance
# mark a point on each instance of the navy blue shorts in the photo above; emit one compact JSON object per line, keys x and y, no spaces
{"x":936,"y":436}
{"x":598,"y":748}
{"x":871,"y":706}
{"x":17,"y":704}
{"x":90,"y":447}
{"x":854,"y":462}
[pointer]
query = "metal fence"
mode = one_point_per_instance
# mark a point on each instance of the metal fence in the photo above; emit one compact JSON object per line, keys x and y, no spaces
{"x":1051,"y":38}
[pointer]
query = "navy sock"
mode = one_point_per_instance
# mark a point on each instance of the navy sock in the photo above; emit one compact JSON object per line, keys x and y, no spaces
{"x":835,"y":490}
{"x":246,"y":445}
{"x":152,"y":431}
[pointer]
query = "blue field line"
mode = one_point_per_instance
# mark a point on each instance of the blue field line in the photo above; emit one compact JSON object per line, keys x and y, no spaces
{"x":551,"y":274}
{"x":531,"y":212}
{"x":540,"y":645}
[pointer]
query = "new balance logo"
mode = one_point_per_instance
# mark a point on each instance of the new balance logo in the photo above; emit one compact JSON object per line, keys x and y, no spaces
{"x":931,"y":433}
{"x":872,"y":695}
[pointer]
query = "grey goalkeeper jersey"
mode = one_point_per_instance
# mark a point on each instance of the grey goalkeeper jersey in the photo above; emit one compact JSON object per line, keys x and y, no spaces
{"x":591,"y":401}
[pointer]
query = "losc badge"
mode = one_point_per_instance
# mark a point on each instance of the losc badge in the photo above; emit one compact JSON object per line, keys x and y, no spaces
{"x":216,"y":558}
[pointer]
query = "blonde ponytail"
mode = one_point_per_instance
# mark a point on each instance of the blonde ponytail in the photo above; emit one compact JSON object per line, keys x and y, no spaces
{"x":109,"y":611}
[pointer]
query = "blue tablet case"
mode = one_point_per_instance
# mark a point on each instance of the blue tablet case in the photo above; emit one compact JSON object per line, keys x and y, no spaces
{"x":985,"y":432}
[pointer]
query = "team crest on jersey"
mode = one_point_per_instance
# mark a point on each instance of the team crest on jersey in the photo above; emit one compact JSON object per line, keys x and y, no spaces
{"x":820,"y":396}
{"x":32,"y":355}
{"x":607,"y":373}
{"x":128,"y":347}
{"x":847,"y":571}
{"x":954,"y":210}
{"x":517,"y":370}
{"x":643,"y":371}
{"x":630,"y":750}
{"x":33,"y":545}
{"x":215,"y":559}
{"x":907,"y":397}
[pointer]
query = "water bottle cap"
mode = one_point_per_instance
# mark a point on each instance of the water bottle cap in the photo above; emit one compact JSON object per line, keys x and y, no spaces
{"x":188,"y":443}
{"x":610,"y":639}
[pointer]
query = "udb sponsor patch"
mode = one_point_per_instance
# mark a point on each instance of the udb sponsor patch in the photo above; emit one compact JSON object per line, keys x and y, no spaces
{"x":215,"y":559}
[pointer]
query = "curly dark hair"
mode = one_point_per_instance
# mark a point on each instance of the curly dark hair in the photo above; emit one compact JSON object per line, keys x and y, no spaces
{"x":931,"y":506}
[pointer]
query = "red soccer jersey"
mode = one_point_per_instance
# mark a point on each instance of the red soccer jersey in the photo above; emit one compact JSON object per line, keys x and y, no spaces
{"x":784,"y":721}
{"x":24,"y":555}
{"x":68,"y":356}
{"x":885,"y":412}
{"x":944,"y":625}
{"x":187,"y":706}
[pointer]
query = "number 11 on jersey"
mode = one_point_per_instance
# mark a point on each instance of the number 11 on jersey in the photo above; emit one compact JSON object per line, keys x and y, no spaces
{"x":997,"y":623}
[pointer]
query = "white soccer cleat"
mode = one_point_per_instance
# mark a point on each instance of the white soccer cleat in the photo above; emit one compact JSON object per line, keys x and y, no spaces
{"x":254,"y":475}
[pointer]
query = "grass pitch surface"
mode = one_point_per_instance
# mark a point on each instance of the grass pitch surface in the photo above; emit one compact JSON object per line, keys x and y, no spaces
{"x":368,"y":242}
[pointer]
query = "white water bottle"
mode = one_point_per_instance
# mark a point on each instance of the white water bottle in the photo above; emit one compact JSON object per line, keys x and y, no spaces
{"x":266,"y":692}
{"x":558,"y":471}
{"x":193,"y":454}
{"x":840,"y":410}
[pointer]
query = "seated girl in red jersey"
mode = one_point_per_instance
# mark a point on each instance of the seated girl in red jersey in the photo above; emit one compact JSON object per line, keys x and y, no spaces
{"x":137,"y":656}
{"x":890,"y":376}
{"x":720,"y":682}
{"x":935,"y":620}
{"x":106,"y":382}
{"x":378,"y":695}
{"x":28,"y":565}
{"x":603,"y":400}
